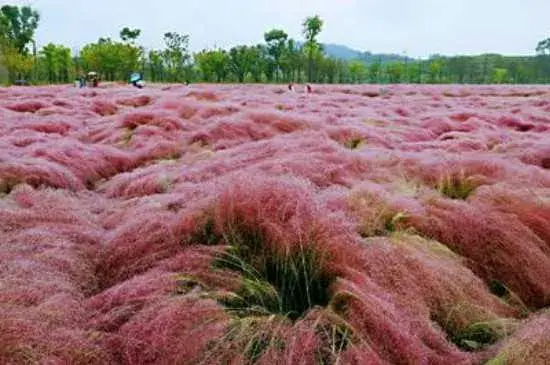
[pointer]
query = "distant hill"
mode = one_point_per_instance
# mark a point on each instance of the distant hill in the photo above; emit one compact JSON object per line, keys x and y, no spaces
{"x":347,"y":53}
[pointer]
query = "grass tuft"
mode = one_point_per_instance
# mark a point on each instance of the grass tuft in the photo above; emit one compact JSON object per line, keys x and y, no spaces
{"x":456,"y":185}
{"x":7,"y":185}
{"x":354,"y":143}
{"x":479,"y":335}
{"x":282,"y":283}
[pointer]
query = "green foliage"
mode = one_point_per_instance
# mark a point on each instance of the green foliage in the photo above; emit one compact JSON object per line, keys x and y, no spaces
{"x":56,"y":62}
{"x":357,"y":71}
{"x":478,"y":336}
{"x":17,"y":64}
{"x":282,"y":283}
{"x":276,"y":46}
{"x":129,"y":35}
{"x":312,"y":27}
{"x":176,"y":56}
{"x":17,"y":26}
{"x":113,"y":60}
{"x":206,"y":234}
{"x":456,"y":185}
{"x":242,"y":60}
{"x":543,"y":46}
{"x":395,"y":71}
{"x":214,"y":65}
{"x":500,"y":75}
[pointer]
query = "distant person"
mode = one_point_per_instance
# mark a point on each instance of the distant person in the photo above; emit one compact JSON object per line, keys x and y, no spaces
{"x":309,"y":90}
{"x":291,"y":87}
{"x":82,"y":81}
{"x":93,"y":78}
{"x":136,"y":79}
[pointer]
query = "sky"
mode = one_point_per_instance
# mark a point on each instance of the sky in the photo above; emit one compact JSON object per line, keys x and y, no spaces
{"x":416,"y":28}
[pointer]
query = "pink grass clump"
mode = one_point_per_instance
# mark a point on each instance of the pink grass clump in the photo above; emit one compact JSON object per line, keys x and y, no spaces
{"x":104,"y":108}
{"x":498,"y":246}
{"x":136,"y":102}
{"x":134,"y":120}
{"x":26,"y":106}
{"x":529,"y":345}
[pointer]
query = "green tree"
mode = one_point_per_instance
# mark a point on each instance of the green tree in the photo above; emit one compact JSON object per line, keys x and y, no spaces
{"x":374,"y":71}
{"x":500,"y":75}
{"x":17,"y":64}
{"x":276,"y":42}
{"x":543,"y":47}
{"x":18,"y":25}
{"x":130,"y":35}
{"x":214,"y":64}
{"x":395,"y":71}
{"x":57,"y":62}
{"x":241,"y":61}
{"x":312,"y":27}
{"x":357,"y":71}
{"x":176,"y":56}
{"x":113,"y":60}
{"x":434,"y":71}
{"x":156,"y":66}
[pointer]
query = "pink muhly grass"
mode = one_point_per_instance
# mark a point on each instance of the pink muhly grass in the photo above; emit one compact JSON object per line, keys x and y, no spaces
{"x":135,"y":247}
{"x":151,"y":180}
{"x":36,"y":172}
{"x":172,"y":331}
{"x":53,"y":127}
{"x":529,"y":345}
{"x":203,"y":95}
{"x":104,"y":108}
{"x":493,"y":243}
{"x":163,"y":121}
{"x":29,"y":340}
{"x":529,"y":206}
{"x":136,"y":102}
{"x":110,"y":309}
{"x":26,"y":106}
{"x":222,"y":224}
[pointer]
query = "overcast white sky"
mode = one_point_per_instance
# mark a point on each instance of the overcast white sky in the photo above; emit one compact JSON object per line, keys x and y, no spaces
{"x":419,"y":27}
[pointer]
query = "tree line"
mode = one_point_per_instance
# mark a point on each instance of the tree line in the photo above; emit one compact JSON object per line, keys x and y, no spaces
{"x":279,"y":58}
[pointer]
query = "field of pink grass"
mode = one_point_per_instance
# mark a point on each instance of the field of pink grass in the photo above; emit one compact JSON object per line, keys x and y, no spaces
{"x":222,"y":224}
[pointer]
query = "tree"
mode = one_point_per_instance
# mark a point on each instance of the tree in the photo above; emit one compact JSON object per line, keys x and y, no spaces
{"x":241,"y":60}
{"x":18,"y":64}
{"x":312,"y":26}
{"x":176,"y":56}
{"x":543,"y":47}
{"x":276,"y":41}
{"x":114,"y":60}
{"x":395,"y":71}
{"x":213,"y":63}
{"x":374,"y":71}
{"x":357,"y":70}
{"x":434,"y":70}
{"x":500,"y":75}
{"x":56,"y":61}
{"x":156,"y":66}
{"x":17,"y":26}
{"x":291,"y":61}
{"x":130,"y":35}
